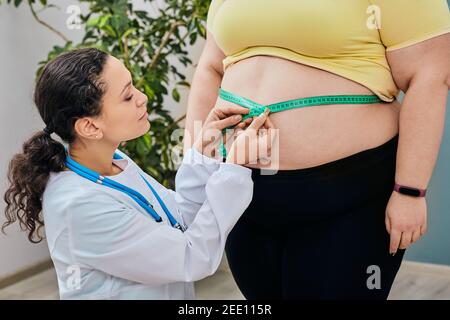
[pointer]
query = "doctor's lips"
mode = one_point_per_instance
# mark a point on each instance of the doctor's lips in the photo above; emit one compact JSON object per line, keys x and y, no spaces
{"x":145,"y":115}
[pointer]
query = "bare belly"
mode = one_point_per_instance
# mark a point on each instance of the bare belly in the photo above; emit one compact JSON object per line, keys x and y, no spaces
{"x":314,"y":135}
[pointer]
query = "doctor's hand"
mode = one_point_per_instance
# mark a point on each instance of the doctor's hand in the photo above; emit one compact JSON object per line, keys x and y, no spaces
{"x":253,"y":143}
{"x":219,"y":118}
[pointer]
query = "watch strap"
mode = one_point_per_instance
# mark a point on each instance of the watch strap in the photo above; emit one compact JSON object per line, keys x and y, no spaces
{"x":412,"y":191}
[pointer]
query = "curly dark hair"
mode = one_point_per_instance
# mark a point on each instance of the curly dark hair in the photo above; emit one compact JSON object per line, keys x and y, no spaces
{"x":68,"y":88}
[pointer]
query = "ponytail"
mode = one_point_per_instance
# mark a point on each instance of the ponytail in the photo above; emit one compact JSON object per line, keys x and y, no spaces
{"x":28,"y":173}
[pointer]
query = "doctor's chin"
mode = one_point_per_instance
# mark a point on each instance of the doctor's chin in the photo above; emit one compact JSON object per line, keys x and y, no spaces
{"x":225,"y":151}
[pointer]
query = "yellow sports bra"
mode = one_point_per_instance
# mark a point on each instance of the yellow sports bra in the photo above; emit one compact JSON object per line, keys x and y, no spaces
{"x":346,"y":37}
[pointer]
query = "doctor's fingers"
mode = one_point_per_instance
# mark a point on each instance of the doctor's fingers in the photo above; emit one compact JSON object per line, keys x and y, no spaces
{"x":268,"y":124}
{"x":258,"y":121}
{"x":222,"y":111}
{"x":230,"y":121}
{"x":245,"y":123}
{"x":253,"y":130}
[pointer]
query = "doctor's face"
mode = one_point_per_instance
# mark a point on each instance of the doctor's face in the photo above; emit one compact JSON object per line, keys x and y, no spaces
{"x":124,"y":108}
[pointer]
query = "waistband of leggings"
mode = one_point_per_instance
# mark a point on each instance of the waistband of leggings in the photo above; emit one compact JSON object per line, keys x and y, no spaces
{"x":361,"y":159}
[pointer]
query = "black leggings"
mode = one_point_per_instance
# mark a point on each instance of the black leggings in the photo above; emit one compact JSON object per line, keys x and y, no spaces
{"x":318,"y":232}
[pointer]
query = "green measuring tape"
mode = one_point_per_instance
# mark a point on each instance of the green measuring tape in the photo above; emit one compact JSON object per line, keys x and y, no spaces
{"x":256,"y":109}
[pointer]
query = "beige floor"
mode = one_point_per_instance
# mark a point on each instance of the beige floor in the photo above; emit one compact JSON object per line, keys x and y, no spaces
{"x":414,"y":281}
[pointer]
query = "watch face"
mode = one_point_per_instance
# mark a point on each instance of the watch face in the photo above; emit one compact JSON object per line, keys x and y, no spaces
{"x":409,"y":191}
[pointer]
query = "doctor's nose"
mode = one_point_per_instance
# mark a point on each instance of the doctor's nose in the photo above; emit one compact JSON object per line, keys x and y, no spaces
{"x":142,"y":101}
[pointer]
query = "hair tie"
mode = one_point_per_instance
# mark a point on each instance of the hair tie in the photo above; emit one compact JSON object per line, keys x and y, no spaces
{"x":47,"y":130}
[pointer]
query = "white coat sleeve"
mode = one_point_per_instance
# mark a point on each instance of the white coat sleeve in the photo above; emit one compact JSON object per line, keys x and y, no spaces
{"x":190,"y":182}
{"x":110,"y":236}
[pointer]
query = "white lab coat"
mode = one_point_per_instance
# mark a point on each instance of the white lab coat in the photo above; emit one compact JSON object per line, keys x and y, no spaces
{"x":105,"y":246}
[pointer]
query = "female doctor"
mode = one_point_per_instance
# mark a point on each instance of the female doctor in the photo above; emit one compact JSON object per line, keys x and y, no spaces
{"x":112,"y":230}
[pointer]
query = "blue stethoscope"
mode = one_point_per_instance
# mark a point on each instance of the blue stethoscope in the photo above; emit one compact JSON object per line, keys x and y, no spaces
{"x":139,"y":198}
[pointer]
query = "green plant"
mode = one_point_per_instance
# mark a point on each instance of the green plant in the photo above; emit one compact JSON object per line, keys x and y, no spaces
{"x":145,"y":43}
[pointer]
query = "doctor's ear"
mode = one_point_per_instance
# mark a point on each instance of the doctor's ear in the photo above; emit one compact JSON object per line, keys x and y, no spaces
{"x":88,"y":129}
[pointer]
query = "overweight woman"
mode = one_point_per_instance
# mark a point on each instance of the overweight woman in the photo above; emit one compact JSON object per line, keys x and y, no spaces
{"x":353,"y":163}
{"x":112,"y":230}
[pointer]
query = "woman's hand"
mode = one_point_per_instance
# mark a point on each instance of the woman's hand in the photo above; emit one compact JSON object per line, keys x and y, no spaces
{"x":219,"y":118}
{"x":252,"y":144}
{"x":406,"y":220}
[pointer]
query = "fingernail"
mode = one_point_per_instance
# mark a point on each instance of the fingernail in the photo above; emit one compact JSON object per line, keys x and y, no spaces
{"x":238,"y":117}
{"x":392,"y":253}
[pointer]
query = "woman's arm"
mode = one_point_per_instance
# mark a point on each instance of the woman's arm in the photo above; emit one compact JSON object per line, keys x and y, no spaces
{"x":422,"y":71}
{"x":204,"y":89}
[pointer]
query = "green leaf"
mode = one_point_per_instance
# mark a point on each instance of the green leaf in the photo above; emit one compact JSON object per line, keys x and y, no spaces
{"x":165,"y":158}
{"x":149,"y":92}
{"x":147,"y":138}
{"x":192,"y":38}
{"x":142,"y":148}
{"x":109,"y":31}
{"x":153,"y":172}
{"x":200,"y":27}
{"x":93,"y":22}
{"x":128,"y":32}
{"x":103,"y":20}
{"x":184,"y":84}
{"x":176,"y":95}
